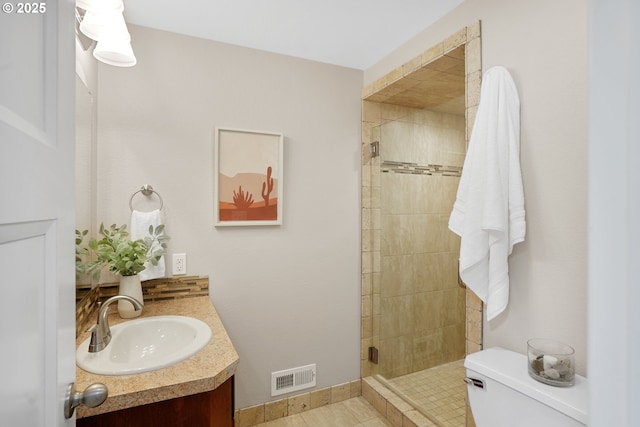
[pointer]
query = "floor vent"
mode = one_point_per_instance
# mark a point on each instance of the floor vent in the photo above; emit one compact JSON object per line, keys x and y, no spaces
{"x":293,"y":379}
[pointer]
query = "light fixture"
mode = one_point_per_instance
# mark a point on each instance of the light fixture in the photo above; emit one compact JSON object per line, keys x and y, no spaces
{"x":114,"y":45}
{"x":115,"y":52}
{"x":97,"y":14}
{"x":103,"y":21}
{"x":91,"y":25}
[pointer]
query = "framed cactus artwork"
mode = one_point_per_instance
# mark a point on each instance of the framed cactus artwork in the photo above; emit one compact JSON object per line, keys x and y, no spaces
{"x":247,"y":177}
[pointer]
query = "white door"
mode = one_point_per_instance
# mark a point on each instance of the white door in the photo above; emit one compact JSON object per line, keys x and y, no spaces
{"x":37,"y":320}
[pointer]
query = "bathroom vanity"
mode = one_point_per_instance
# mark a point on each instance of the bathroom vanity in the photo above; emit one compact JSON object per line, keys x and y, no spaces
{"x":195,"y":392}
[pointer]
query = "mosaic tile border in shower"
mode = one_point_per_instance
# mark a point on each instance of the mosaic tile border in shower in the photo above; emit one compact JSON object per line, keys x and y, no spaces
{"x":416,"y":169}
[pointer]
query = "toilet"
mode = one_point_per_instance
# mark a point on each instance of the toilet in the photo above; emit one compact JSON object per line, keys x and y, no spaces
{"x":502,"y":394}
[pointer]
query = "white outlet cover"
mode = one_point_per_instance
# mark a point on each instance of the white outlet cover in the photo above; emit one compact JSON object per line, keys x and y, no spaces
{"x":179,"y":264}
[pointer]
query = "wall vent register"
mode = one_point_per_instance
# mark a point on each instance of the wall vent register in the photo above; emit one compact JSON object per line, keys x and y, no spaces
{"x":293,"y":379}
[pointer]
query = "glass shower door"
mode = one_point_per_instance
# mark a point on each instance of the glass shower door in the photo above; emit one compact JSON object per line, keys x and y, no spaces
{"x":421,"y":305}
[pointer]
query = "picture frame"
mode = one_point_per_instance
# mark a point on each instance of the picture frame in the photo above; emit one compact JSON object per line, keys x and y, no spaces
{"x":248,"y":177}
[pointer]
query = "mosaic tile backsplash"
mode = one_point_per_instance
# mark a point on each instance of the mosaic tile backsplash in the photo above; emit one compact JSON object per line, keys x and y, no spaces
{"x":152,"y":290}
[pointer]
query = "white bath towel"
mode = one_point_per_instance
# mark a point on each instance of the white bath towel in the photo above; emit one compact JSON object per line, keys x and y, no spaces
{"x":140,"y":222}
{"x":488,"y":213}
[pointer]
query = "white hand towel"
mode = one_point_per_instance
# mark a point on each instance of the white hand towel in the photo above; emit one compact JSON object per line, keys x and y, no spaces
{"x":488,"y":213}
{"x":140,"y":222}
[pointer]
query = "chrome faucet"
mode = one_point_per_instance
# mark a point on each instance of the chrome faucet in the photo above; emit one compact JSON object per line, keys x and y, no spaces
{"x":100,"y":332}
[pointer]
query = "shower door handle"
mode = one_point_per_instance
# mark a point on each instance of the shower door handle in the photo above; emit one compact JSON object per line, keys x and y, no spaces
{"x":460,"y":282}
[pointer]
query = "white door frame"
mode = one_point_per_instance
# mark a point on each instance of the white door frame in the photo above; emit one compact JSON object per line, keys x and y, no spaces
{"x":614,"y":213}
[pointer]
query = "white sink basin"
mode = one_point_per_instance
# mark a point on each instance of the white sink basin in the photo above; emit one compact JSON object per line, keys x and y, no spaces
{"x":146,"y":344}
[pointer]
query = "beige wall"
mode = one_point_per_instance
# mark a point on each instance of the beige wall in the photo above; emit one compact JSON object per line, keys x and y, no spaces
{"x":544,"y":45}
{"x":288,"y":295}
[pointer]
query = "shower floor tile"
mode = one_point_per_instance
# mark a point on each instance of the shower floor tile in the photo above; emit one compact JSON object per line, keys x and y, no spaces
{"x":440,"y":391}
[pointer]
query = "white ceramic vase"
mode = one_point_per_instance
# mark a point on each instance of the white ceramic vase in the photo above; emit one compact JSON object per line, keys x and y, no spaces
{"x":130,"y":286}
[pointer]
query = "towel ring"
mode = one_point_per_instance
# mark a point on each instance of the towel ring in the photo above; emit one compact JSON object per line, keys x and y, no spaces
{"x":146,"y":190}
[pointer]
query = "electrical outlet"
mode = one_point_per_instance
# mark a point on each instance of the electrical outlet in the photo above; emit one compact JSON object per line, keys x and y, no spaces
{"x":179,"y":264}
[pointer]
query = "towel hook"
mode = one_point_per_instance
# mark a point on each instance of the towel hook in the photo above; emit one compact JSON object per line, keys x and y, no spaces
{"x":146,"y":190}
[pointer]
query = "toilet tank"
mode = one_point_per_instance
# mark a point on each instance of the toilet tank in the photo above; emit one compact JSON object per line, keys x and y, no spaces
{"x":511,"y":398}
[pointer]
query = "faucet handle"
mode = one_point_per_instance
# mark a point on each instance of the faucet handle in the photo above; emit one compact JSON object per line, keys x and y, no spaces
{"x":98,"y":341}
{"x":99,"y":306}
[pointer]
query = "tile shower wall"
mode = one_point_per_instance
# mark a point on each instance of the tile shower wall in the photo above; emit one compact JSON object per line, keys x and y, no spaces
{"x":422,"y":307}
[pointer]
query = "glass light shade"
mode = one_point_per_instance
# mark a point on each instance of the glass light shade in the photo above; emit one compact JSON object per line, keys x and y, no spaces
{"x":99,"y":15}
{"x":105,"y":24}
{"x":86,"y":4}
{"x":97,"y":5}
{"x":92,"y":25}
{"x":114,"y":27}
{"x":115,"y":52}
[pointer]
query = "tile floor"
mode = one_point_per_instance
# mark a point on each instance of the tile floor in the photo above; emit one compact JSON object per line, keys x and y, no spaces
{"x":440,"y":391}
{"x":354,"y":412}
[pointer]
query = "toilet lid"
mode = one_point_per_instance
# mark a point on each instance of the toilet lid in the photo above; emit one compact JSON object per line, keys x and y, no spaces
{"x":510,"y":369}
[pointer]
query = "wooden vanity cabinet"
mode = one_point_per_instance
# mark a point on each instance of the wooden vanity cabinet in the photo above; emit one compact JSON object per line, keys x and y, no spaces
{"x":209,"y":409}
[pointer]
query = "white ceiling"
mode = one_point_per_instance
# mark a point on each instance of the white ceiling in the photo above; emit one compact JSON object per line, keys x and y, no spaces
{"x":350,"y":33}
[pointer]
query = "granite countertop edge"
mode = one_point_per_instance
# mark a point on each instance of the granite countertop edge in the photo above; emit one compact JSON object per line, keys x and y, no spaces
{"x":202,"y":372}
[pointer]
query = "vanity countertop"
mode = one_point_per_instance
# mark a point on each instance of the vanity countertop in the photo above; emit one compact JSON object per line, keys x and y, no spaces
{"x":202,"y":372}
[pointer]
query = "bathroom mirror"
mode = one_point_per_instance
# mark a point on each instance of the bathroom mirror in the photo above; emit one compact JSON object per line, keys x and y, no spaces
{"x":85,"y":162}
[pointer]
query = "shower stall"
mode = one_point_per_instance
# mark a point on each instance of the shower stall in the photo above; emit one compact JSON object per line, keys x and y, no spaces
{"x":418,"y":320}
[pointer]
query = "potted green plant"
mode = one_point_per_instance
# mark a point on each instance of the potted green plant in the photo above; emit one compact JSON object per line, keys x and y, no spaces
{"x":119,"y":254}
{"x":86,"y":264}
